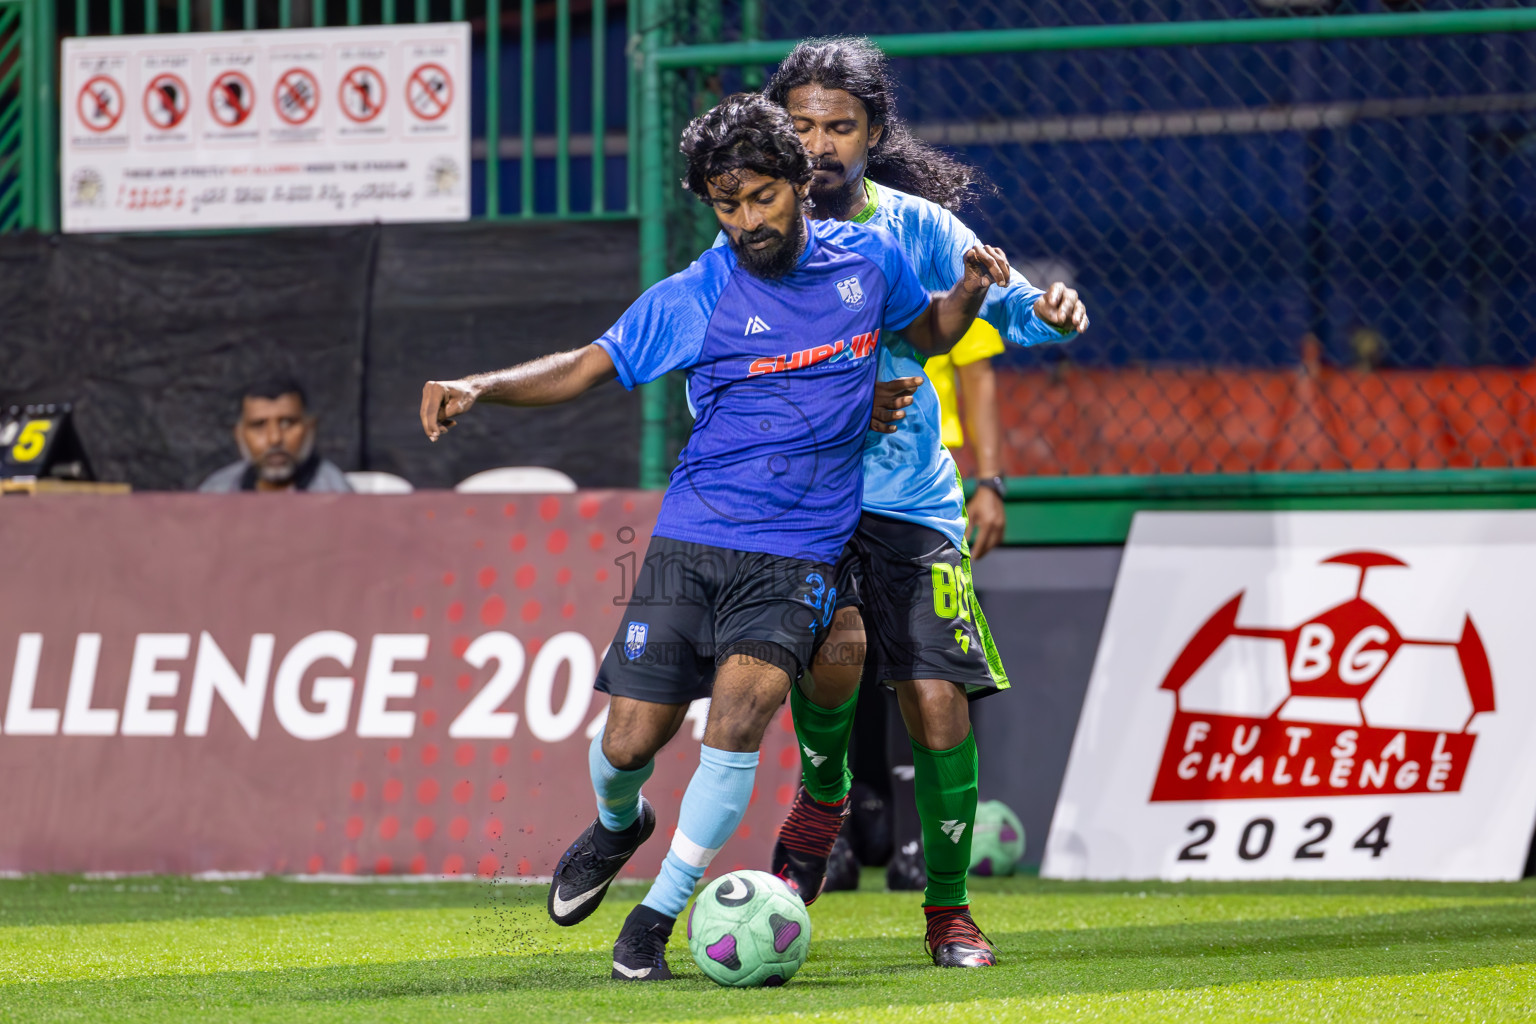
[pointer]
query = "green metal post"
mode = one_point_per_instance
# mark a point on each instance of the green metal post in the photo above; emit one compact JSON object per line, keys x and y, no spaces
{"x":599,"y":103}
{"x":458,"y":10}
{"x":632,"y":65}
{"x":184,"y":15}
{"x":753,"y":75}
{"x":115,"y":17}
{"x":250,"y":15}
{"x":82,"y":18}
{"x":151,"y":17}
{"x":527,"y":164}
{"x":653,"y":231}
{"x":354,"y":12}
{"x":423,"y":15}
{"x":388,"y":13}
{"x":28,"y":177}
{"x":319,"y":15}
{"x":216,"y":15}
{"x":562,"y":107}
{"x":492,"y":109}
{"x":43,"y":32}
{"x":285,"y":14}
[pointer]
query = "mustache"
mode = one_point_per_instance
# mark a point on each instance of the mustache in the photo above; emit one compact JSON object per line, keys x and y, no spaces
{"x":827,"y":163}
{"x":762,"y":234}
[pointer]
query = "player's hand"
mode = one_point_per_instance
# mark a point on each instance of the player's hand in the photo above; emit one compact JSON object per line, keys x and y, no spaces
{"x":892,"y":396}
{"x":985,"y":520}
{"x":1062,"y":309}
{"x":441,"y":402}
{"x":985,"y":265}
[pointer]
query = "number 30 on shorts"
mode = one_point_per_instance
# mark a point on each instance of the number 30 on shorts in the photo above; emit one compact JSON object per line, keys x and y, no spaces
{"x":951,"y":591}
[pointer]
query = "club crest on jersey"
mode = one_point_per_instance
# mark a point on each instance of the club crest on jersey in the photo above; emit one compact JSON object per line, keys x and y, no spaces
{"x":634,"y":639}
{"x":852,"y":294}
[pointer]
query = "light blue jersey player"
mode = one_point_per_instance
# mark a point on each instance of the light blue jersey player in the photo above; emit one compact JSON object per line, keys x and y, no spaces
{"x":905,"y":575}
{"x":779,"y":333}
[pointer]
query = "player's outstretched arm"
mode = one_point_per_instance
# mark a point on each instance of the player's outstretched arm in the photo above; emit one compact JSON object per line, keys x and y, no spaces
{"x":951,"y":313}
{"x":1062,"y":309}
{"x":547,"y":380}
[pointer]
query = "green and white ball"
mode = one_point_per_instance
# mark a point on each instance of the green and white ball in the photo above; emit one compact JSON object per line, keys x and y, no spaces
{"x":997,"y":843}
{"x":748,"y":929}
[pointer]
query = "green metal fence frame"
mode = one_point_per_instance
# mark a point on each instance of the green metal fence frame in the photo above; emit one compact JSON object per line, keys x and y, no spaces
{"x":33,"y":129}
{"x":1086,"y":510}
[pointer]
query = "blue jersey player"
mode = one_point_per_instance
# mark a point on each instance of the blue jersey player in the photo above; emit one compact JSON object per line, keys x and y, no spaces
{"x":779,"y":333}
{"x":906,"y":574}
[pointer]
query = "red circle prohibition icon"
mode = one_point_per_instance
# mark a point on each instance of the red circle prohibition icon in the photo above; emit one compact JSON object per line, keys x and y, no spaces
{"x":100,"y":104}
{"x":231,"y":99}
{"x":362,"y":94}
{"x":429,"y":92}
{"x":297,"y":96}
{"x":166,"y":101}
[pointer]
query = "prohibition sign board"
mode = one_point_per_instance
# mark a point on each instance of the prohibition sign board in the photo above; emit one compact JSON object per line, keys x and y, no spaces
{"x":231,"y":99}
{"x":166,"y":101}
{"x":297,"y":96}
{"x":362,"y":94}
{"x":429,"y":92}
{"x":100,"y":104}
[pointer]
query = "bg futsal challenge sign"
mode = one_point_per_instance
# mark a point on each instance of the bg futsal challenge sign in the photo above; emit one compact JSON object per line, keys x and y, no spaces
{"x":1341,"y":695}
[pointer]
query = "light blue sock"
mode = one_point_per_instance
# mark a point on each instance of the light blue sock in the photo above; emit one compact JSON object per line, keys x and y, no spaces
{"x":618,"y":791}
{"x":712,"y":810}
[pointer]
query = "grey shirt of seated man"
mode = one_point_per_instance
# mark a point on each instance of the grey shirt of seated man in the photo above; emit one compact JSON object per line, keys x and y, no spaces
{"x":276,"y":437}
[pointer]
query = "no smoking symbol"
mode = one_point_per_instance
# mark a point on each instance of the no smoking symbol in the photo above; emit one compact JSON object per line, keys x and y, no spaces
{"x":166,"y":101}
{"x":100,"y":104}
{"x":429,"y":92}
{"x":362,"y":94}
{"x":297,"y":97}
{"x":231,"y":99}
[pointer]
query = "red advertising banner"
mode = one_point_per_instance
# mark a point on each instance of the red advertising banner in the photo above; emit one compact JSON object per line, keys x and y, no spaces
{"x":322,"y":684}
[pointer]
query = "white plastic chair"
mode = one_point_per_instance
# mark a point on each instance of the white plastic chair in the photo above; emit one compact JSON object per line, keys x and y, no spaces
{"x":517,"y":480}
{"x":369,"y":482}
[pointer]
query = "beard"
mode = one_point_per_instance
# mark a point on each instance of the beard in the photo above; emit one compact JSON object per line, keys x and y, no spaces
{"x":277,"y":464}
{"x":834,"y":201}
{"x":777,"y":258}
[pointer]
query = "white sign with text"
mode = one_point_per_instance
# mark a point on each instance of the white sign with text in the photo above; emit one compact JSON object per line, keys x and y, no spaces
{"x":290,"y":127}
{"x":1309,"y":695}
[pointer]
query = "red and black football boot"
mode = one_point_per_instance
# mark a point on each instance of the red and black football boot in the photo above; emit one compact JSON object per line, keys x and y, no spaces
{"x":955,"y":941}
{"x":805,"y":841}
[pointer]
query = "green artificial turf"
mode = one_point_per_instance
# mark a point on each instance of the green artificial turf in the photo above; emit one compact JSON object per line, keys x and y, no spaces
{"x":283,"y":950}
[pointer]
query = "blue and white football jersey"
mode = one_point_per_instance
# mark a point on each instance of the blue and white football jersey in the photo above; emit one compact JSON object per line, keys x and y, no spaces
{"x":781,"y":383}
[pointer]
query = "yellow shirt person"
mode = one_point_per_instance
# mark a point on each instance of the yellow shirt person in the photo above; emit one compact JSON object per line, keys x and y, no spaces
{"x":981,"y":342}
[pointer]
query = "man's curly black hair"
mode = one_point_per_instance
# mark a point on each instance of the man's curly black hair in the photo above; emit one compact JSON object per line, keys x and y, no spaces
{"x":743,"y":132}
{"x":859,"y":68}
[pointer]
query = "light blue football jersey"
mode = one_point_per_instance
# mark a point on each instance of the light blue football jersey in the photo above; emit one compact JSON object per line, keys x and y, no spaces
{"x":780,"y":380}
{"x":910,"y":475}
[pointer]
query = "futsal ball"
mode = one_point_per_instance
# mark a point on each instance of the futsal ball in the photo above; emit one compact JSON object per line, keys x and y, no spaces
{"x":997,"y":840}
{"x":747,"y":929}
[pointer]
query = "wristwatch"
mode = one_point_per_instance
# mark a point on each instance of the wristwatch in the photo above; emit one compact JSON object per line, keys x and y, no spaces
{"x":994,"y":484}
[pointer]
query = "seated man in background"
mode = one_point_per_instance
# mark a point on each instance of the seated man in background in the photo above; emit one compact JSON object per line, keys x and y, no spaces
{"x":276,"y":437}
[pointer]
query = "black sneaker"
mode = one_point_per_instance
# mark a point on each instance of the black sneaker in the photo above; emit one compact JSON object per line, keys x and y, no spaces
{"x":953,"y":939}
{"x":640,"y":954}
{"x":584,"y":873}
{"x":907,"y":871}
{"x":805,"y":840}
{"x":842,"y":868}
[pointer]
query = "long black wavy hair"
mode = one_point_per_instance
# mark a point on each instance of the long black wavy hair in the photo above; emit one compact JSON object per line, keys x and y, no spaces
{"x":900,"y":160}
{"x":743,"y":132}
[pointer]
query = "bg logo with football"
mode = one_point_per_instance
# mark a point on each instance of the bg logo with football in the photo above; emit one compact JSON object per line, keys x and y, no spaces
{"x":1340,"y":705}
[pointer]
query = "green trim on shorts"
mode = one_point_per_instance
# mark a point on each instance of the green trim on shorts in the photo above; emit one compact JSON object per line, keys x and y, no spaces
{"x":994,"y":660}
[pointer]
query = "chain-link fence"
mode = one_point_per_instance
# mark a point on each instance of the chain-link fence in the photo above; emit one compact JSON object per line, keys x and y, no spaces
{"x":1299,"y":255}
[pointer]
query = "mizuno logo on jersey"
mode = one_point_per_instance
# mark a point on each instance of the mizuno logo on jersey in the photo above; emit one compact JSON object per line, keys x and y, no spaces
{"x":861,"y":346}
{"x":756,"y":325}
{"x":954,"y":829}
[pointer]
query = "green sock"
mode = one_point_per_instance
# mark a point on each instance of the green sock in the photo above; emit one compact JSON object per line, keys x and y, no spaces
{"x":946,"y":802}
{"x":823,"y":734}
